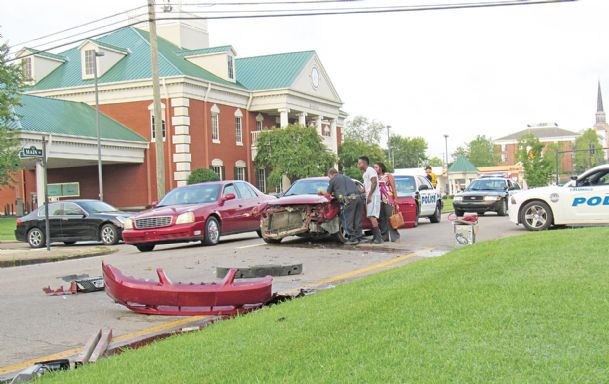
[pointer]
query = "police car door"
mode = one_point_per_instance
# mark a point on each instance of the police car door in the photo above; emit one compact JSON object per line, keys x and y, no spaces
{"x":590,"y":198}
{"x":428,"y":196}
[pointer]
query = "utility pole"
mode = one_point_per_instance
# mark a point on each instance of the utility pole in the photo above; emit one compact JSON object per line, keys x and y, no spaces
{"x":446,"y":150}
{"x":47,"y":224}
{"x":99,"y":156}
{"x":389,"y":146}
{"x":156,"y":94}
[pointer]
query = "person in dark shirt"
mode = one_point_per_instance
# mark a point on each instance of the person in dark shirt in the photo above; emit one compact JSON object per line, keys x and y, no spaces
{"x":344,"y":189}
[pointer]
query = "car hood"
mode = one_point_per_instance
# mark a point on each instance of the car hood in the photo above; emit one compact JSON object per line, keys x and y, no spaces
{"x":116,"y":214}
{"x":541,"y":191}
{"x":482,"y":192}
{"x":170,"y":210}
{"x":300,"y":199}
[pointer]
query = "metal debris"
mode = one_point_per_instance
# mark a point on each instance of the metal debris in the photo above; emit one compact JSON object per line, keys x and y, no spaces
{"x":86,"y":285}
{"x":261,"y":271}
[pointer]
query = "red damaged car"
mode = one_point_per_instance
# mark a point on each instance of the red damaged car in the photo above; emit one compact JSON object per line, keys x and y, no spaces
{"x":199,"y":212}
{"x":301,"y":211}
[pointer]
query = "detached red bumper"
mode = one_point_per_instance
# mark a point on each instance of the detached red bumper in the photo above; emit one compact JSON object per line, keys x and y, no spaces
{"x":171,"y":234}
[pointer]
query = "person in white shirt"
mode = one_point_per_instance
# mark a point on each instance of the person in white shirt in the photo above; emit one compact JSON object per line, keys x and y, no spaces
{"x":373,"y":197}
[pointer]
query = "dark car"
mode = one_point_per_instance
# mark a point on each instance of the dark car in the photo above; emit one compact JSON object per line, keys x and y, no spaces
{"x":489,"y":194}
{"x":71,"y":221}
{"x":198,"y":212}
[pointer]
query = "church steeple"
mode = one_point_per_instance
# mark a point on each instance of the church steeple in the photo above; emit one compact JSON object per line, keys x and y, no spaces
{"x":600,"y":112}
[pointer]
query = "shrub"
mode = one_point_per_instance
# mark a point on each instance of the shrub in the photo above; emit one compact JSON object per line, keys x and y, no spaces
{"x":201,"y":175}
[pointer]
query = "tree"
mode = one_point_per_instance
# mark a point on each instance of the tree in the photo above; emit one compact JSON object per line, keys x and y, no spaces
{"x":537,"y":168}
{"x":361,"y":129}
{"x":460,"y":151}
{"x":350,"y":150}
{"x":10,"y":81}
{"x":585,"y":157}
{"x":294,"y":151}
{"x":482,"y":152}
{"x":202,"y":175}
{"x":408,"y":152}
{"x":550,"y":152}
{"x":435,"y":162}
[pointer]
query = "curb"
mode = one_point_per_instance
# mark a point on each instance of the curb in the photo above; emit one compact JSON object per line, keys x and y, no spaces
{"x":9,"y":241}
{"x":43,"y":260}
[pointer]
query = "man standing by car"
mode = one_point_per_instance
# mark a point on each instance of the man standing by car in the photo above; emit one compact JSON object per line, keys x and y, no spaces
{"x":433,"y":179}
{"x":345,"y":190}
{"x":373,"y":197}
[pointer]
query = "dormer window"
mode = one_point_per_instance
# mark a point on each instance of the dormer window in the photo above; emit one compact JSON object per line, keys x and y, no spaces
{"x":90,"y":62}
{"x":26,"y":65}
{"x":231,"y":67}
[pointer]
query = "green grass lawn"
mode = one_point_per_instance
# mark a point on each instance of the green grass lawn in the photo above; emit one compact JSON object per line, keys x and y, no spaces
{"x":448,"y":205}
{"x":529,"y":309}
{"x":7,"y":228}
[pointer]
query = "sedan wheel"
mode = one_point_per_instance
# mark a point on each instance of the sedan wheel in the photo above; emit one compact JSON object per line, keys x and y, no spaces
{"x":35,"y":238}
{"x":536,"y":216}
{"x":108,"y":234}
{"x":145,"y":247}
{"x":212,"y":232}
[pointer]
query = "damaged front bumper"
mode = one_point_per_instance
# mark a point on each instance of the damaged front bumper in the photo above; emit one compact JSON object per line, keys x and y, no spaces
{"x":283,"y":221}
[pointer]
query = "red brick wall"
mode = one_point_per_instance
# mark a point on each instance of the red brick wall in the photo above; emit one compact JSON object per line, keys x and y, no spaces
{"x":566,"y":161}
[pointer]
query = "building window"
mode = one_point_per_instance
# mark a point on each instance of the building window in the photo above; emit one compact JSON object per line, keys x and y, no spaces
{"x":327,"y":132}
{"x":258,"y":125}
{"x":240,"y":173}
{"x":219,"y":171}
{"x":215,"y":128}
{"x":26,"y":64}
{"x":90,"y":62}
{"x":152,"y":130}
{"x":238,"y":130}
{"x":261,"y":179}
{"x":231,"y":67}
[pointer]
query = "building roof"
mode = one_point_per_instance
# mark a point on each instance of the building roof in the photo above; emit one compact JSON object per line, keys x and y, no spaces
{"x":47,"y":115}
{"x":271,"y":71}
{"x":254,"y":73}
{"x":540,"y":133}
{"x":109,"y":46}
{"x":599,"y":99}
{"x":462,"y":165}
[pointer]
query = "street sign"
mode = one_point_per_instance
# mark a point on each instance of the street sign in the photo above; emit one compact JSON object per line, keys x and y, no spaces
{"x":30,"y":153}
{"x":64,"y":190}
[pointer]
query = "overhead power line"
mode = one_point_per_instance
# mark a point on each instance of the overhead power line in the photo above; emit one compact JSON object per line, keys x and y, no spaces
{"x":345,"y":11}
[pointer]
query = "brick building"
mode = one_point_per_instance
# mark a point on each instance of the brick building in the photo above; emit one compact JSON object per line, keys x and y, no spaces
{"x":214,"y":106}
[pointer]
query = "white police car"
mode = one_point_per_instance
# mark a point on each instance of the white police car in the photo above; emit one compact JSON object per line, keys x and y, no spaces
{"x":583,"y":200}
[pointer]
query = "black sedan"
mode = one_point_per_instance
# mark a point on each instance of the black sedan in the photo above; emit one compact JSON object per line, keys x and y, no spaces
{"x":485,"y":195}
{"x":71,"y":221}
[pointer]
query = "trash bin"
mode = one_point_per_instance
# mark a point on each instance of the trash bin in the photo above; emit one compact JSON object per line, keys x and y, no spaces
{"x":465,"y":234}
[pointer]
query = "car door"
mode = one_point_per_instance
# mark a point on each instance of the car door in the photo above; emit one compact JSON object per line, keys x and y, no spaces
{"x":230,"y":210}
{"x":55,"y":212}
{"x":589,"y":199}
{"x":74,"y":223}
{"x":250,"y":201}
{"x":427,"y":196}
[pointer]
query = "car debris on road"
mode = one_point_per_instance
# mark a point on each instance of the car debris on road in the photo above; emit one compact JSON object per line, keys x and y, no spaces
{"x":84,"y":285}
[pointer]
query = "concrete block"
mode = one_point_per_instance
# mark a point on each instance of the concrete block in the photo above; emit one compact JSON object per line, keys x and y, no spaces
{"x":182,"y":166}
{"x":181,"y":158}
{"x":180,"y":102}
{"x":181,"y":129}
{"x":180,"y":111}
{"x":181,"y":139}
{"x":182,"y":148}
{"x":180,"y":120}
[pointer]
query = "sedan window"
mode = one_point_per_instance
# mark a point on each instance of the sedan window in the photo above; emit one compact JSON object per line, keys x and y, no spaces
{"x":97,"y":207}
{"x":597,"y":178}
{"x":55,"y":209}
{"x":307,"y":187}
{"x":71,"y":209}
{"x":487,"y":185}
{"x":195,"y":194}
{"x":405,"y":185}
{"x":245,"y":191}
{"x":230,"y":189}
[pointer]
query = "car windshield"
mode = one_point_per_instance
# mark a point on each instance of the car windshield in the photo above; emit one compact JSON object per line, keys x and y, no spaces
{"x":194,"y":194}
{"x":97,"y":207}
{"x":487,"y":185}
{"x":405,"y":185}
{"x":307,"y":187}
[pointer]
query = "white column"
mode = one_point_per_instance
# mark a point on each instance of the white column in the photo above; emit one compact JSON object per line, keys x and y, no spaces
{"x":319,"y":119}
{"x":302,"y":119}
{"x":39,"y":184}
{"x":283,"y":118}
{"x":181,"y":139}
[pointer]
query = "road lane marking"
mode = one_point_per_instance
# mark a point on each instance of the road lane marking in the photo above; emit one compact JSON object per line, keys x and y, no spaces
{"x":250,"y":246}
{"x":187,"y":320}
{"x":132,"y":335}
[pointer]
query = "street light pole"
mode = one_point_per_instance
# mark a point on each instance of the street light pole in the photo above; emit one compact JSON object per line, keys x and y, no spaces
{"x":446,"y":149}
{"x":99,"y":157}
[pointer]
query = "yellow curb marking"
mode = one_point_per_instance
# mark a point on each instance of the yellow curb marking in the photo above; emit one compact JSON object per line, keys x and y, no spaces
{"x":191,"y":319}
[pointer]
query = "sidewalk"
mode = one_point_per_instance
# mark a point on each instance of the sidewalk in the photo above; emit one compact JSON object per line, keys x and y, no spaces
{"x":16,"y":254}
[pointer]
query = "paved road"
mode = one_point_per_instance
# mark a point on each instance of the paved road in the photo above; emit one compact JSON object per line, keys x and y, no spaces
{"x":34,"y":325}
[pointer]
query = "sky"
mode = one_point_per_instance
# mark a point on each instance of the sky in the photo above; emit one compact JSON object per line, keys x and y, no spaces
{"x":463,"y":72}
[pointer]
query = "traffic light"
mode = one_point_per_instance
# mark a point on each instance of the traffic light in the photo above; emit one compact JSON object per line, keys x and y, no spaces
{"x":592,"y":149}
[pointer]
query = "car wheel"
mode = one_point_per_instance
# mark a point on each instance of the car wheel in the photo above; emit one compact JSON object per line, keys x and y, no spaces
{"x":36,"y":238}
{"x":212,"y":231}
{"x":536,"y":216}
{"x":502,"y":211}
{"x":145,"y":247}
{"x":459,"y":213}
{"x":341,"y":235}
{"x":437,"y":215}
{"x":108,"y":234}
{"x":69,"y":242}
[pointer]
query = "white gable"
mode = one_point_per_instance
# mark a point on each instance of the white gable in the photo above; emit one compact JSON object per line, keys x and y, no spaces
{"x":314,"y":80}
{"x":104,"y":63}
{"x":39,"y":66}
{"x":219,"y":63}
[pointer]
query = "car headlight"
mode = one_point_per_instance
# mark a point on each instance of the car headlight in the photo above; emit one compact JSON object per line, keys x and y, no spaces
{"x":492,"y":198}
{"x":458,"y":198}
{"x":186,"y":218}
{"x":127,"y":223}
